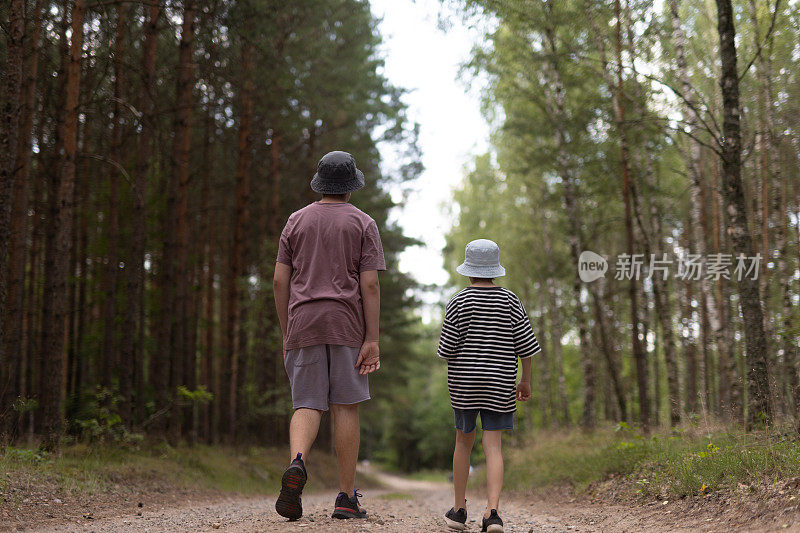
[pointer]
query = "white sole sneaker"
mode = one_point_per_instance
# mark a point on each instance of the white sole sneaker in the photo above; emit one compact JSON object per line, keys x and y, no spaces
{"x":452,"y":524}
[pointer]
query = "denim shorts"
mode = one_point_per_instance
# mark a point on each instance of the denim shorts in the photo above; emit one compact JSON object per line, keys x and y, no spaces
{"x":466,"y":420}
{"x":324,"y":374}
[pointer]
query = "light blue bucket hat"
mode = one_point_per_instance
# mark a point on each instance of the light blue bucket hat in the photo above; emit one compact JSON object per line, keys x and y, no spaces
{"x":481,"y":260}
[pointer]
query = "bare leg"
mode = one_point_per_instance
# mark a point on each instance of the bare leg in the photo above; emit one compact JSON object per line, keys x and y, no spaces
{"x":346,"y":437}
{"x":461,"y":453}
{"x":494,"y":468}
{"x":303,"y":430}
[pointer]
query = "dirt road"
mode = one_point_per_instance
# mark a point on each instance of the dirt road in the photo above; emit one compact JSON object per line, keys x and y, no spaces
{"x":405,"y":505}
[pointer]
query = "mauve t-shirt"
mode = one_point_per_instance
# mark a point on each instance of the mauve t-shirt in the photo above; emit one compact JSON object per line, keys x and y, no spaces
{"x":328,"y":245}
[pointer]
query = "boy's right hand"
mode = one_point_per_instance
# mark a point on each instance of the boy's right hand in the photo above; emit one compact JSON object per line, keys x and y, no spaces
{"x":369,"y":359}
{"x":523,"y":391}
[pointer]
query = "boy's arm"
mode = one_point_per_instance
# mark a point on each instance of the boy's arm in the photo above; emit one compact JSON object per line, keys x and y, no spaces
{"x":449,"y":337}
{"x":280,"y":288}
{"x":369,"y":356}
{"x":524,"y":385}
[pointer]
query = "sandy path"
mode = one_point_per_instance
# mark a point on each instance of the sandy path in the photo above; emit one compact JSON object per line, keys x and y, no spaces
{"x":407,"y":505}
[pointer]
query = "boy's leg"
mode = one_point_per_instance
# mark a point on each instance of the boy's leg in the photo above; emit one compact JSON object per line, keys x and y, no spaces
{"x":346,"y":438}
{"x":492,"y":449}
{"x":303,"y":431}
{"x":461,"y":454}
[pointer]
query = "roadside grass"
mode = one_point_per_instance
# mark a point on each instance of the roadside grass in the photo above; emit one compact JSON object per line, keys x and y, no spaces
{"x":684,"y":462}
{"x":84,"y":469}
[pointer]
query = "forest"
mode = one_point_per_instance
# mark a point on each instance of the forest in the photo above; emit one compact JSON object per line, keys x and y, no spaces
{"x":663,"y":139}
{"x":151,"y":151}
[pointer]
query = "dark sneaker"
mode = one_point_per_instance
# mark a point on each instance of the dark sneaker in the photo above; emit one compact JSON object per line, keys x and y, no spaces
{"x":289,"y":504}
{"x":456,"y":519}
{"x":493,"y":524}
{"x":348,"y":507}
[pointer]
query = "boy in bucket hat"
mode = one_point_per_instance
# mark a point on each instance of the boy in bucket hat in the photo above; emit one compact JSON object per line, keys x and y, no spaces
{"x":328,"y":302}
{"x":485,"y":329}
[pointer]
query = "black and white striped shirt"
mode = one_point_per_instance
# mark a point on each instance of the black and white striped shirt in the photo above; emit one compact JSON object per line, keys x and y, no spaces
{"x":485,"y":329}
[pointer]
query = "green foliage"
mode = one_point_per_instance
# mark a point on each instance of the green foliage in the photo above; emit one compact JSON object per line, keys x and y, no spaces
{"x":94,"y":416}
{"x":24,"y":456}
{"x":199,"y":396}
{"x":24,"y":405}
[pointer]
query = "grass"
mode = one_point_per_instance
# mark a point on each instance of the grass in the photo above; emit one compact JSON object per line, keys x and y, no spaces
{"x":396,"y":496}
{"x":87,"y":470}
{"x":685,"y":462}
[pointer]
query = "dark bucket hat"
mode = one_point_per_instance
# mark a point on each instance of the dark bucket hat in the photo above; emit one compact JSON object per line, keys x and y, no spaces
{"x":337,"y":174}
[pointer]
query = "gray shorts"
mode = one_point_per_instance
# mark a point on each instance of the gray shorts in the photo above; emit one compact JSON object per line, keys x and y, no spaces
{"x":323,"y":374}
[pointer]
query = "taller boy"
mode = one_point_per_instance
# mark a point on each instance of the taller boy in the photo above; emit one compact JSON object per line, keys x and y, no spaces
{"x":328,"y":301}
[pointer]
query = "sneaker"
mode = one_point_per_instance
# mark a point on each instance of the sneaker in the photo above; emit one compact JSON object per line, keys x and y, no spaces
{"x":348,"y":507}
{"x":289,"y":504}
{"x":456,"y":519}
{"x":493,"y":524}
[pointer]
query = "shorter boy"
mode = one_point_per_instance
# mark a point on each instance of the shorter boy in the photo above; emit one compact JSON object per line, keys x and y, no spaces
{"x":485,"y":329}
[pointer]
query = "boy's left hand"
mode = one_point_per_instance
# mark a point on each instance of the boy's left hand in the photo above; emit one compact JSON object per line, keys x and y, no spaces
{"x":523,"y":391}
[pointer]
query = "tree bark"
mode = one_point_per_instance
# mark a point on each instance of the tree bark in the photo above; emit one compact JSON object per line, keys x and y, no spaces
{"x":709,"y":309}
{"x":133,"y":332}
{"x":55,"y":303}
{"x":233,"y":347}
{"x":180,"y":183}
{"x":759,"y":400}
{"x":9,"y":137}
{"x":208,"y":231}
{"x":555,"y":96}
{"x":639,"y":355}
{"x":13,"y":334}
{"x":775,"y":184}
{"x":111,"y":361}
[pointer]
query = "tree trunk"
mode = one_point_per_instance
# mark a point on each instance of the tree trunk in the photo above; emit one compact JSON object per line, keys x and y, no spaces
{"x":208,"y":231}
{"x":55,"y":303}
{"x":132,"y":347}
{"x":13,"y":335}
{"x":9,"y":136}
{"x":555,"y":95}
{"x":775,"y":184}
{"x":179,"y":191}
{"x":759,"y":401}
{"x":274,"y":212}
{"x":233,"y":348}
{"x":639,"y":355}
{"x":617,"y":96}
{"x":607,"y":349}
{"x":663,"y":310}
{"x":709,"y":310}
{"x":111,"y":361}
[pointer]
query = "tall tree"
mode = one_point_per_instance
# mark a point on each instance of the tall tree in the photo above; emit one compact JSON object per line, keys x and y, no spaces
{"x":12,"y":334}
{"x":759,"y":399}
{"x":132,"y":345}
{"x":9,"y":136}
{"x":55,"y":298}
